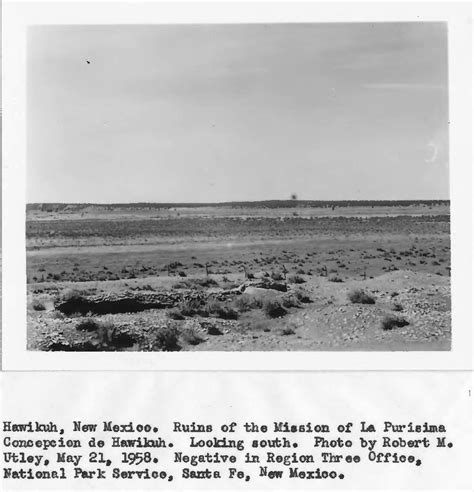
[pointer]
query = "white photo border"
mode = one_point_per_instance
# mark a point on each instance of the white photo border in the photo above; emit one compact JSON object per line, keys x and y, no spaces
{"x":18,"y":16}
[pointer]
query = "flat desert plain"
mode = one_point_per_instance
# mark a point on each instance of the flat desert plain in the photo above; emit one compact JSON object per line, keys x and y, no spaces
{"x":291,"y":276}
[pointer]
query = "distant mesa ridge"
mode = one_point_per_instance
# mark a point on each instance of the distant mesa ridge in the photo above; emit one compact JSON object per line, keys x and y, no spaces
{"x":258,"y":204}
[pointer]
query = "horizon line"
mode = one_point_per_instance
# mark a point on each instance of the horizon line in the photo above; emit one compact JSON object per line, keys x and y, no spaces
{"x":246,"y":201}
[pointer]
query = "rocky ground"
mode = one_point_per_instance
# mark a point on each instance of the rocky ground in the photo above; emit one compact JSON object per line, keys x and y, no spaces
{"x":235,"y":279}
{"x":317,"y":315}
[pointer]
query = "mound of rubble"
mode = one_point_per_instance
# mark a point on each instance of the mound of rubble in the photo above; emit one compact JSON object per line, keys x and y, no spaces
{"x":134,"y":302}
{"x":124,"y":302}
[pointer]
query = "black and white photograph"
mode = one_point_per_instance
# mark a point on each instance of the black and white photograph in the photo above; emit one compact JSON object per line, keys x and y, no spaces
{"x":236,"y":245}
{"x":238,"y":187}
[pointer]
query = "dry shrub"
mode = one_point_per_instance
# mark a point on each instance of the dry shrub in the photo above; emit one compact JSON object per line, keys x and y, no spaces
{"x":72,"y":295}
{"x":182,"y":284}
{"x":88,"y":325}
{"x":213,"y":329}
{"x":246,"y":302}
{"x":273,"y":308}
{"x":228,"y":283}
{"x":175,"y":314}
{"x":193,"y":307}
{"x":295,"y":298}
{"x":221,"y":310}
{"x":302,"y":296}
{"x":296,"y":279}
{"x":276,"y":276}
{"x":358,"y":296}
{"x":335,"y":278}
{"x":191,"y":337}
{"x":106,"y":337}
{"x":205,"y":282}
{"x":391,"y":321}
{"x":166,"y":339}
{"x":273,"y":285}
{"x":38,"y":305}
{"x":193,"y":283}
{"x":290,"y":301}
{"x":287,"y":330}
{"x":106,"y":333}
{"x":190,"y":307}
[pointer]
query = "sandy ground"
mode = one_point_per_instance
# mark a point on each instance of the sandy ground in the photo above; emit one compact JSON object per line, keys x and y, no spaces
{"x":329,"y":322}
{"x":403,"y":263}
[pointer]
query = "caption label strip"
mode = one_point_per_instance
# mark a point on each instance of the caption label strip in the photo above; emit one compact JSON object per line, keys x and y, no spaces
{"x":183,"y":452}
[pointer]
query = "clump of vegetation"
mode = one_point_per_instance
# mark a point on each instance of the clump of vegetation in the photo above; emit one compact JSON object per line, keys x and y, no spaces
{"x":190,"y":307}
{"x":246,"y":302}
{"x":106,"y":333}
{"x":175,"y":314}
{"x":287,"y":330}
{"x":302,"y":296}
{"x":72,"y":295}
{"x":229,"y":284}
{"x":277,"y":276}
{"x":335,"y":278}
{"x":213,"y":329}
{"x":391,"y":321}
{"x":166,"y":339}
{"x":289,"y":301}
{"x":397,"y":307}
{"x":38,"y":305}
{"x":274,"y":285}
{"x":221,"y":310}
{"x":273,"y":308}
{"x":296,"y":279}
{"x":193,"y":307}
{"x":88,"y":325}
{"x":295,"y":299}
{"x":359,"y":296}
{"x":106,"y":337}
{"x":191,"y":337}
{"x":193,"y":283}
{"x":183,"y":284}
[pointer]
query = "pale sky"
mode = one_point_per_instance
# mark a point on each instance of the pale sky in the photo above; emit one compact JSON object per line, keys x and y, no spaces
{"x":209,"y":113}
